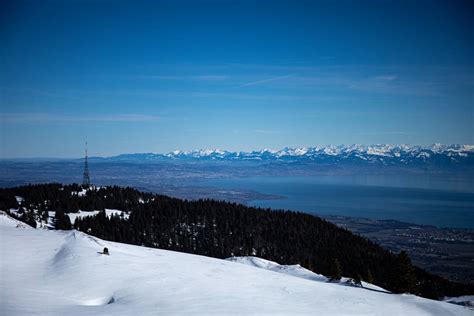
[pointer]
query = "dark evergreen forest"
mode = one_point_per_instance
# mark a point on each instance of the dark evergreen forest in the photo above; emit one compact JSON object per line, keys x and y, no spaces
{"x":222,"y":229}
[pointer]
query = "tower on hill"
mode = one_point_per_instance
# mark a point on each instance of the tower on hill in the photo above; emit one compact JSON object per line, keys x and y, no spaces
{"x":86,"y":179}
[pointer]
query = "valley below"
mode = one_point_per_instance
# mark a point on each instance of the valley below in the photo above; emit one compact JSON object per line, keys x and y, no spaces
{"x":444,"y":251}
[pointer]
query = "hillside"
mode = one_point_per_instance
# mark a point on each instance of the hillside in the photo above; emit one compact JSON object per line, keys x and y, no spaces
{"x":221,"y":230}
{"x":63,"y":272}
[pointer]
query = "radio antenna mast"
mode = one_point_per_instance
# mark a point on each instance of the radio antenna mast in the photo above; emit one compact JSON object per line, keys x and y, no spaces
{"x":86,"y":179}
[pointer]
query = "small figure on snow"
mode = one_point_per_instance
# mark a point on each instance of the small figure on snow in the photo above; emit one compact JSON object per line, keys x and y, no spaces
{"x":106,"y":251}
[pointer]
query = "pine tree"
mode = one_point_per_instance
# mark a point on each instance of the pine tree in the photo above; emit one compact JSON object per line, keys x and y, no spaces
{"x":62,"y":221}
{"x":28,"y":218}
{"x":45,"y":216}
{"x":335,"y":271}
{"x":357,"y":278}
{"x":405,"y":278}
{"x":369,"y":278}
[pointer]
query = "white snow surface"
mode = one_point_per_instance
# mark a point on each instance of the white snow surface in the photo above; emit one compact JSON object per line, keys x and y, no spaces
{"x":46,"y":272}
{"x":466,"y":300}
{"x":80,"y":214}
{"x":109,"y":212}
{"x":7,"y":221}
{"x":19,"y":199}
{"x":296,"y":270}
{"x":83,"y":192}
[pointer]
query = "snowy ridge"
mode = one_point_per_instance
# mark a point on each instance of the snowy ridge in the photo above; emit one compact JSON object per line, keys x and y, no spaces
{"x":7,"y":221}
{"x":465,"y":300}
{"x":381,"y":152}
{"x":297,"y":271}
{"x":64,"y":273}
{"x":293,"y":270}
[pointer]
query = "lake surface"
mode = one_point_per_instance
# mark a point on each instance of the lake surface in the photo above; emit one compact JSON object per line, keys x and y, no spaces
{"x":437,"y":201}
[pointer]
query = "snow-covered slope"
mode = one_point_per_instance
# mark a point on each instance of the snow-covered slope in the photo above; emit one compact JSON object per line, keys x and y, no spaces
{"x":63,"y":273}
{"x":298,"y":271}
{"x":294,"y":270}
{"x":465,"y":300}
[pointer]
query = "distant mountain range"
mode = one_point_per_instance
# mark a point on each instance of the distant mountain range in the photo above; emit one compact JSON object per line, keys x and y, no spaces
{"x":373,"y":154}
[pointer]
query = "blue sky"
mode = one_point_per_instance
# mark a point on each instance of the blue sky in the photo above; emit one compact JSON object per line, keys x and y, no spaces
{"x":157,"y":76}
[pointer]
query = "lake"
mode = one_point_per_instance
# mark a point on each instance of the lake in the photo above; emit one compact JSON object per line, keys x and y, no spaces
{"x":427,"y":200}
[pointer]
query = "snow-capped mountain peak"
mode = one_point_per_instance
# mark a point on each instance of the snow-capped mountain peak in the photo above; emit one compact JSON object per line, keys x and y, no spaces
{"x":379,"y":153}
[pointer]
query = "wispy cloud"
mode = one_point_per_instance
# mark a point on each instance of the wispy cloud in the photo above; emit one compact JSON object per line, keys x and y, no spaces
{"x":385,"y":78}
{"x":296,"y":82}
{"x":69,"y":118}
{"x":188,"y":78}
{"x":254,"y":83}
{"x":213,"y":77}
{"x":266,"y":131}
{"x":387,"y":133}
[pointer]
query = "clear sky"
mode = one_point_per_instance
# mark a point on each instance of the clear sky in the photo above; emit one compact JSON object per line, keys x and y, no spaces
{"x":157,"y":76}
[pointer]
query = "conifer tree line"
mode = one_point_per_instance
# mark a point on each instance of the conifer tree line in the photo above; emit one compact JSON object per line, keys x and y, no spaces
{"x":223,"y":229}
